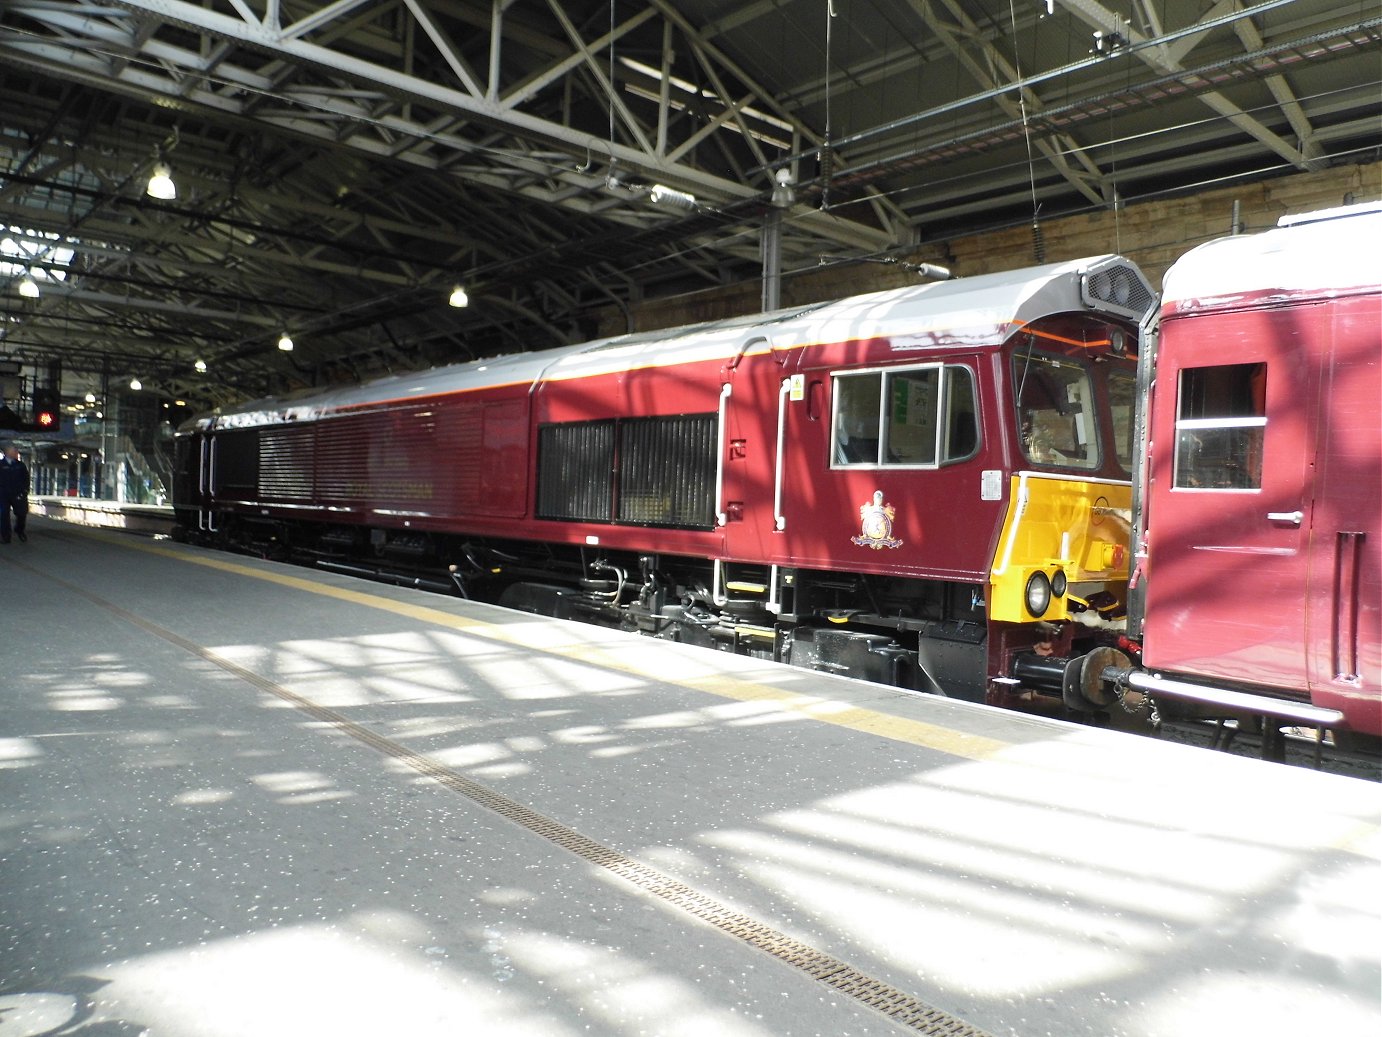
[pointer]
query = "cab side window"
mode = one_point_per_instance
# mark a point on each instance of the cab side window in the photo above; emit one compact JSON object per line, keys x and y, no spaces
{"x":918,"y":417}
{"x":1221,"y":419}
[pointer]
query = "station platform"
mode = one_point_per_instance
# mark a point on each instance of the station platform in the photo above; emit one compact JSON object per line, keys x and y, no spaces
{"x":247,"y":798}
{"x":148,"y":519}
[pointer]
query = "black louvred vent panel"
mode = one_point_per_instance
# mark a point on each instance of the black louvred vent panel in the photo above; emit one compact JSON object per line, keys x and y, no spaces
{"x":576,"y":471}
{"x":285,"y":463}
{"x":667,"y":471}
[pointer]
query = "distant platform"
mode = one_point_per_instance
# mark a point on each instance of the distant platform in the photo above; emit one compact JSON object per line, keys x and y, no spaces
{"x":135,"y":518}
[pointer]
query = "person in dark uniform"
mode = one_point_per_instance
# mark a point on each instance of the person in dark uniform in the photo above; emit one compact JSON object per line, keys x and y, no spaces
{"x":14,"y":493}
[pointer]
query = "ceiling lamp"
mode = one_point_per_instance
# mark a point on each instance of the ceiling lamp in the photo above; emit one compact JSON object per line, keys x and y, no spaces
{"x":199,"y":366}
{"x":161,"y":184}
{"x":458,"y":297}
{"x":136,"y":384}
{"x":28,"y":287}
{"x":285,"y":343}
{"x":783,"y":196}
{"x":91,"y":397}
{"x":671,"y":197}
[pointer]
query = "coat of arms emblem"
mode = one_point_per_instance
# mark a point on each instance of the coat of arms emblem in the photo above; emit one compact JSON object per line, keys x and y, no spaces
{"x":876,"y":524}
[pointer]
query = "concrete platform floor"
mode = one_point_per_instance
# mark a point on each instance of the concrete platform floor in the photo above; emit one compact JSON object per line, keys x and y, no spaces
{"x":245,"y":799}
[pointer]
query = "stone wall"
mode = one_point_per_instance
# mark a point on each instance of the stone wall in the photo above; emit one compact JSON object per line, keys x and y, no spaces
{"x":1152,"y":234}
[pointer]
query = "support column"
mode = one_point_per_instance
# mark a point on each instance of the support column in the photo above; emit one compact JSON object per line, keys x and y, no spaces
{"x":772,"y":259}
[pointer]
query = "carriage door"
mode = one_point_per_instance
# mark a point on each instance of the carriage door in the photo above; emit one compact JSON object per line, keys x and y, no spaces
{"x":757,"y":412}
{"x":1229,"y":522}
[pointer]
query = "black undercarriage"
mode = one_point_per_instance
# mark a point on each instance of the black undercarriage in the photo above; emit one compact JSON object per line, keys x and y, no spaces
{"x":929,"y":636}
{"x":923,"y":635}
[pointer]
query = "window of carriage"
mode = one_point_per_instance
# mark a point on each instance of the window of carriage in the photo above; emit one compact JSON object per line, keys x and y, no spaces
{"x":912,"y":417}
{"x":637,"y":471}
{"x":1221,"y":421}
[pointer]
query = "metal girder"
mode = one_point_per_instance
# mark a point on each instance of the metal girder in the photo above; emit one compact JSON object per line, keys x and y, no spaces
{"x":1282,"y":92}
{"x":287,"y":44}
{"x":1088,"y":181}
{"x":1164,"y":58}
{"x":341,"y":164}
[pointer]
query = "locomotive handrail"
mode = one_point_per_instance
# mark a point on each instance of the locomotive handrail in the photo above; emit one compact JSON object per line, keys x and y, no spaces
{"x":774,"y":603}
{"x":1020,"y":504}
{"x":721,"y":518}
{"x":206,"y":516}
{"x":780,"y":520}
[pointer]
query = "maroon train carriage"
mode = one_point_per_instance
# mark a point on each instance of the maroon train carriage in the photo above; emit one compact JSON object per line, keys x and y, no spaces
{"x":928,"y":487}
{"x":1259,"y":583}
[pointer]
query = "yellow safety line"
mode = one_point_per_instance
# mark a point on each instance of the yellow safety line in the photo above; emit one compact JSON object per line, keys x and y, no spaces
{"x":826,"y":711}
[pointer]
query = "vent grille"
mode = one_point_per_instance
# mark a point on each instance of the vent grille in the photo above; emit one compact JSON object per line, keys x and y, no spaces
{"x":667,"y":471}
{"x":341,"y":453}
{"x":576,"y":471}
{"x":638,"y":471}
{"x":285,"y":463}
{"x":236,"y":464}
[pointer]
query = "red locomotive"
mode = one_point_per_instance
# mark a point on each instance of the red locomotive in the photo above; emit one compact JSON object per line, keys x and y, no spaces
{"x":929,"y":487}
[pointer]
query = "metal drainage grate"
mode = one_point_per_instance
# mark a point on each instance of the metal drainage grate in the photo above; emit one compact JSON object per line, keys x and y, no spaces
{"x":902,"y":1008}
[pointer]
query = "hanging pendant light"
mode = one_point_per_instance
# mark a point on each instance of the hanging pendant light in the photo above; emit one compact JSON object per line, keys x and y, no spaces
{"x":161,"y":184}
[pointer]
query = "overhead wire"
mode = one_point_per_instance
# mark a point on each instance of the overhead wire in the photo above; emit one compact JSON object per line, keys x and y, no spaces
{"x":1038,"y":245}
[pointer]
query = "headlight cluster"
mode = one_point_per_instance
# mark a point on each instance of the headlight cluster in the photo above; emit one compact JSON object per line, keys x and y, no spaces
{"x":1041,"y":589}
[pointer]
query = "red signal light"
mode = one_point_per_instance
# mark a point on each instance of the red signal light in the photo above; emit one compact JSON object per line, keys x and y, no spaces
{"x":47,"y":417}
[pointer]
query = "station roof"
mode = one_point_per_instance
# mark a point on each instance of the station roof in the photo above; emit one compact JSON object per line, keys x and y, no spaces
{"x":340,"y":167}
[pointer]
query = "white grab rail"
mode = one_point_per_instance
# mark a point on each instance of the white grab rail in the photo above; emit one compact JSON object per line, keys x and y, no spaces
{"x":720,"y":515}
{"x":780,"y":520}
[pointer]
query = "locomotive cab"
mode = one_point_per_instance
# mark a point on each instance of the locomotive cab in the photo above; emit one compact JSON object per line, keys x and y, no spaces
{"x":970,"y":497}
{"x":1057,"y":585}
